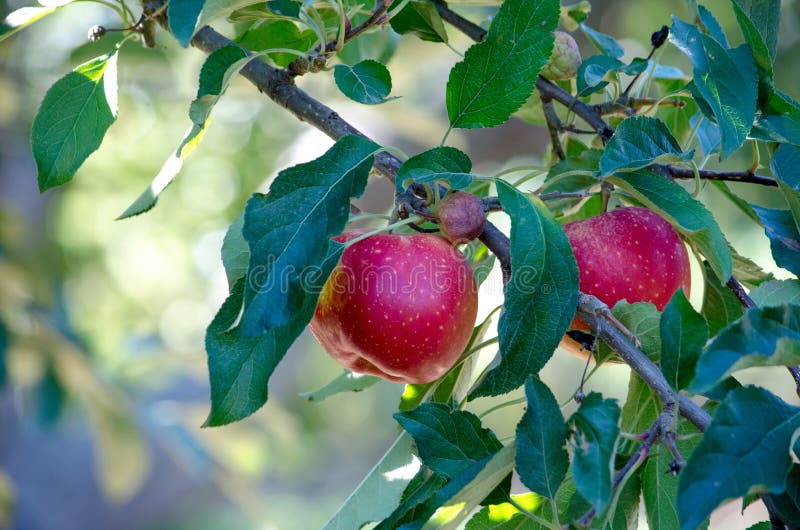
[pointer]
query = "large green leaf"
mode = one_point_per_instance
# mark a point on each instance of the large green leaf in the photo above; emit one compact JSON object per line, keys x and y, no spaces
{"x":381,"y":490}
{"x":182,"y":16}
{"x":688,"y":215}
{"x":289,"y":229}
{"x":73,"y":119}
{"x":542,"y":459}
{"x":440,"y":163}
{"x":768,"y":336}
{"x":684,"y":332}
{"x":776,"y":292}
{"x":497,"y":75}
{"x":541,"y":296}
{"x":784,"y":238}
{"x":594,"y":430}
{"x":760,"y":20}
{"x":638,"y":142}
{"x":724,"y":80}
{"x":606,"y":44}
{"x":744,"y":450}
{"x":239,"y":367}
{"x":420,"y":18}
{"x":367,"y":82}
{"x":448,"y":441}
{"x":273,"y":34}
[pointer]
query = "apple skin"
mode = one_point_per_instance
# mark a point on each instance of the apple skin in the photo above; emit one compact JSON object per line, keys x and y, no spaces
{"x":401,"y":307}
{"x":628,"y":254}
{"x":461,"y":217}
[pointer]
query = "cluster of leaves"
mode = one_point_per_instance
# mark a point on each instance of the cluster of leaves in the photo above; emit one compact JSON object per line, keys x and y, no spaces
{"x":574,"y":466}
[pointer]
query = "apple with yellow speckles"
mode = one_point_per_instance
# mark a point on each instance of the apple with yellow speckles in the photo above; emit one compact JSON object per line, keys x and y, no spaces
{"x":398,"y":306}
{"x":628,"y":254}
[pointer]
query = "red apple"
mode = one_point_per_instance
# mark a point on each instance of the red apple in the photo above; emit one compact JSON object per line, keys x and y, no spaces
{"x":401,"y":307}
{"x":628,"y":253}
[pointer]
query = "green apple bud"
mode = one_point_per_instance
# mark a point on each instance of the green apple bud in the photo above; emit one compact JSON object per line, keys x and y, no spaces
{"x":565,"y":59}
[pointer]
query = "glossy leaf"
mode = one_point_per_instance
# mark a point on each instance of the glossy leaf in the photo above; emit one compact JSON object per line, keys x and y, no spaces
{"x":542,"y":459}
{"x":760,"y":20}
{"x":724,"y":79}
{"x":638,"y":142}
{"x":182,"y":16}
{"x":381,"y":490}
{"x":595,"y":430}
{"x":347,"y":381}
{"x":768,"y":336}
{"x":779,"y":119}
{"x":73,"y":119}
{"x":745,"y":450}
{"x":289,"y":230}
{"x":684,"y":333}
{"x":239,"y":367}
{"x":440,"y":163}
{"x":783,"y":235}
{"x":688,"y":215}
{"x":498,"y":74}
{"x":606,"y":44}
{"x":286,"y":8}
{"x":448,"y":441}
{"x":420,"y":18}
{"x":541,"y":296}
{"x":776,"y":292}
{"x":367,"y":82}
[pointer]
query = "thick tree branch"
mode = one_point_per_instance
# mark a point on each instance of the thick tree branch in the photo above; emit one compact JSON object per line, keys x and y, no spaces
{"x":279,"y":86}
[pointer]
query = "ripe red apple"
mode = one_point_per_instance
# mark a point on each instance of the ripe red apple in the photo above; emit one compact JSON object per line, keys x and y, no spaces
{"x":628,"y":253}
{"x":401,"y":307}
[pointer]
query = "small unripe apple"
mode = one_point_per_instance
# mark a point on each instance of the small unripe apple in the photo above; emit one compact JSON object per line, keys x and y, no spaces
{"x":461,"y":217}
{"x":565,"y":58}
{"x":401,"y":307}
{"x":628,"y":254}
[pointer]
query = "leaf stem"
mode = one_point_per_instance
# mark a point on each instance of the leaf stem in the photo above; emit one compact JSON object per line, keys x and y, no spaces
{"x":387,"y":228}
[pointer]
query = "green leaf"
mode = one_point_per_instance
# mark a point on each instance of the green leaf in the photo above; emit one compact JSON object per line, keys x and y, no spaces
{"x":215,"y":75}
{"x":497,"y":75}
{"x":686,"y":214}
{"x":684,"y":332}
{"x":347,"y":381}
{"x":595,"y":430}
{"x":289,"y":229}
{"x":777,"y":292}
{"x":542,"y":459}
{"x":712,"y":26}
{"x":784,"y":166}
{"x":562,"y":175}
{"x":286,"y":8}
{"x":239,"y":367}
{"x":506,"y":516}
{"x":745,"y":450}
{"x":419,"y":18}
{"x":235,"y":252}
{"x":367,"y":82}
{"x":448,"y":441}
{"x":763,"y":525}
{"x":182,"y":16}
{"x":22,"y":18}
{"x":440,"y":163}
{"x":707,"y":134}
{"x":660,"y":486}
{"x":624,"y":513}
{"x":607,"y":45}
{"x":378,"y":46}
{"x":768,"y":336}
{"x":747,"y":272}
{"x":760,"y":20}
{"x":278,"y":34}
{"x":724,"y":80}
{"x":73,"y":118}
{"x":214,"y":9}
{"x":381,"y":490}
{"x":643,"y":320}
{"x":640,"y":410}
{"x":784,"y":238}
{"x":787,"y":504}
{"x":720,"y":305}
{"x":593,"y":71}
{"x":779,"y":119}
{"x":638,"y":142}
{"x":541,"y":296}
{"x":416,"y":501}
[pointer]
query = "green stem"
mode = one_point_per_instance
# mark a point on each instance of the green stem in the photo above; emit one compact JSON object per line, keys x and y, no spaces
{"x":502,"y":405}
{"x":387,"y":228}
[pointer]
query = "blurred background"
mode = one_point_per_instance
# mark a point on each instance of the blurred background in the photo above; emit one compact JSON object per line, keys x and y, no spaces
{"x":103,"y":380}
